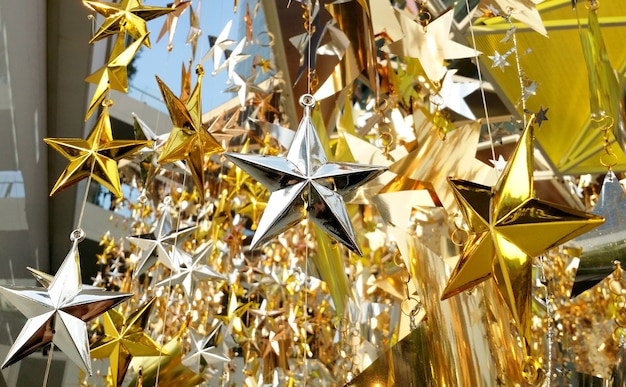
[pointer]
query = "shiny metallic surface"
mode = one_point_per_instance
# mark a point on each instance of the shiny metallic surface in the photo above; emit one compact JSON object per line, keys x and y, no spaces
{"x":96,"y":156}
{"x":124,"y":338}
{"x":189,"y":140}
{"x":59,"y":313}
{"x":305,"y":182}
{"x":606,"y":244}
{"x":516,"y":227}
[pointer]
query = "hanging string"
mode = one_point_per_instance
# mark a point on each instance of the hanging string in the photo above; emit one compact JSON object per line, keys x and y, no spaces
{"x":307,"y":111}
{"x":480,"y":80}
{"x":520,"y":73}
{"x":48,"y":363}
{"x":105,"y":104}
{"x":169,"y":284}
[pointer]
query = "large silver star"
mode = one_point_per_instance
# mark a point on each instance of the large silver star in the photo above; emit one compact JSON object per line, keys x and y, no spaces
{"x":204,"y":350}
{"x":192,"y":269}
{"x":305,"y":183}
{"x":59,"y":313}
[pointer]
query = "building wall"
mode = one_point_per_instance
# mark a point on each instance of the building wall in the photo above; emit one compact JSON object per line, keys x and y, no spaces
{"x":23,"y":155}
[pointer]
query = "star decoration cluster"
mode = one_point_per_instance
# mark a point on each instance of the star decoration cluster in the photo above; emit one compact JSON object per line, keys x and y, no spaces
{"x":361,"y":238}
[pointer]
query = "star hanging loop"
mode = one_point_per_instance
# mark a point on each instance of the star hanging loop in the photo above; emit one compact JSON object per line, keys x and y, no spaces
{"x":127,"y":16}
{"x":305,"y":184}
{"x":189,"y":140}
{"x":114,"y":75}
{"x":96,"y":156}
{"x":58,"y":313}
{"x":124,"y":338}
{"x":509,"y":227}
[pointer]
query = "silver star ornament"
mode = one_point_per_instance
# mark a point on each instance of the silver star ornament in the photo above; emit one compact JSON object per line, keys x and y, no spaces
{"x":161,"y":240}
{"x":58,"y":313}
{"x":306,"y":184}
{"x":204,"y":350}
{"x":192,"y":269}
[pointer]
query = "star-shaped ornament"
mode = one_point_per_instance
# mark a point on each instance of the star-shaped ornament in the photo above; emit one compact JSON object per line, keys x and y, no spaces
{"x":606,"y":244}
{"x":189,"y":140}
{"x":58,"y":313}
{"x":499,"y":60}
{"x":524,"y":11}
{"x":192,"y":269}
{"x":114,"y":75}
{"x":541,"y":116}
{"x":306,"y":184}
{"x":530,"y":89}
{"x":205,"y":351}
{"x":162,"y":241}
{"x":96,"y":156}
{"x":509,"y":227}
{"x":147,"y":156}
{"x":194,"y":29}
{"x":127,"y":16}
{"x":236,"y":56}
{"x":499,"y":164}
{"x":243,"y":86}
{"x":431,"y":45}
{"x":124,"y":338}
{"x":216,"y":52}
{"x":169,"y":26}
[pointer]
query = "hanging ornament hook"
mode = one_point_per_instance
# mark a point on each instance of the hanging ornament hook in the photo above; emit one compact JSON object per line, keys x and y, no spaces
{"x":307,"y":101}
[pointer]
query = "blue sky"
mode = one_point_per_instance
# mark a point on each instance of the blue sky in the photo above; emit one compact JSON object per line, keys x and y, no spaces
{"x":167,"y":65}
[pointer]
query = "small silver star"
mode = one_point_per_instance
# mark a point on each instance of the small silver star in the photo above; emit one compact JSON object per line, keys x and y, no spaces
{"x":499,"y":164}
{"x":530,"y":90}
{"x":204,"y":350}
{"x":509,"y":34}
{"x":190,"y":270}
{"x":499,"y":60}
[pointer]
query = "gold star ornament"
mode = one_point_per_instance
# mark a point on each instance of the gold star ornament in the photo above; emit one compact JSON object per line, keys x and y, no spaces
{"x":97,"y":156}
{"x":114,"y":75}
{"x":508,"y":227}
{"x":128,"y":16}
{"x":189,"y":139}
{"x":124,"y":338}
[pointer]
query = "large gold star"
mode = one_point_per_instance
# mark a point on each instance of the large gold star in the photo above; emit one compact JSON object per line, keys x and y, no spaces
{"x":124,"y":338}
{"x":509,"y":226}
{"x":113,"y":75}
{"x":96,"y":156}
{"x":189,"y":139}
{"x":126,"y":16}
